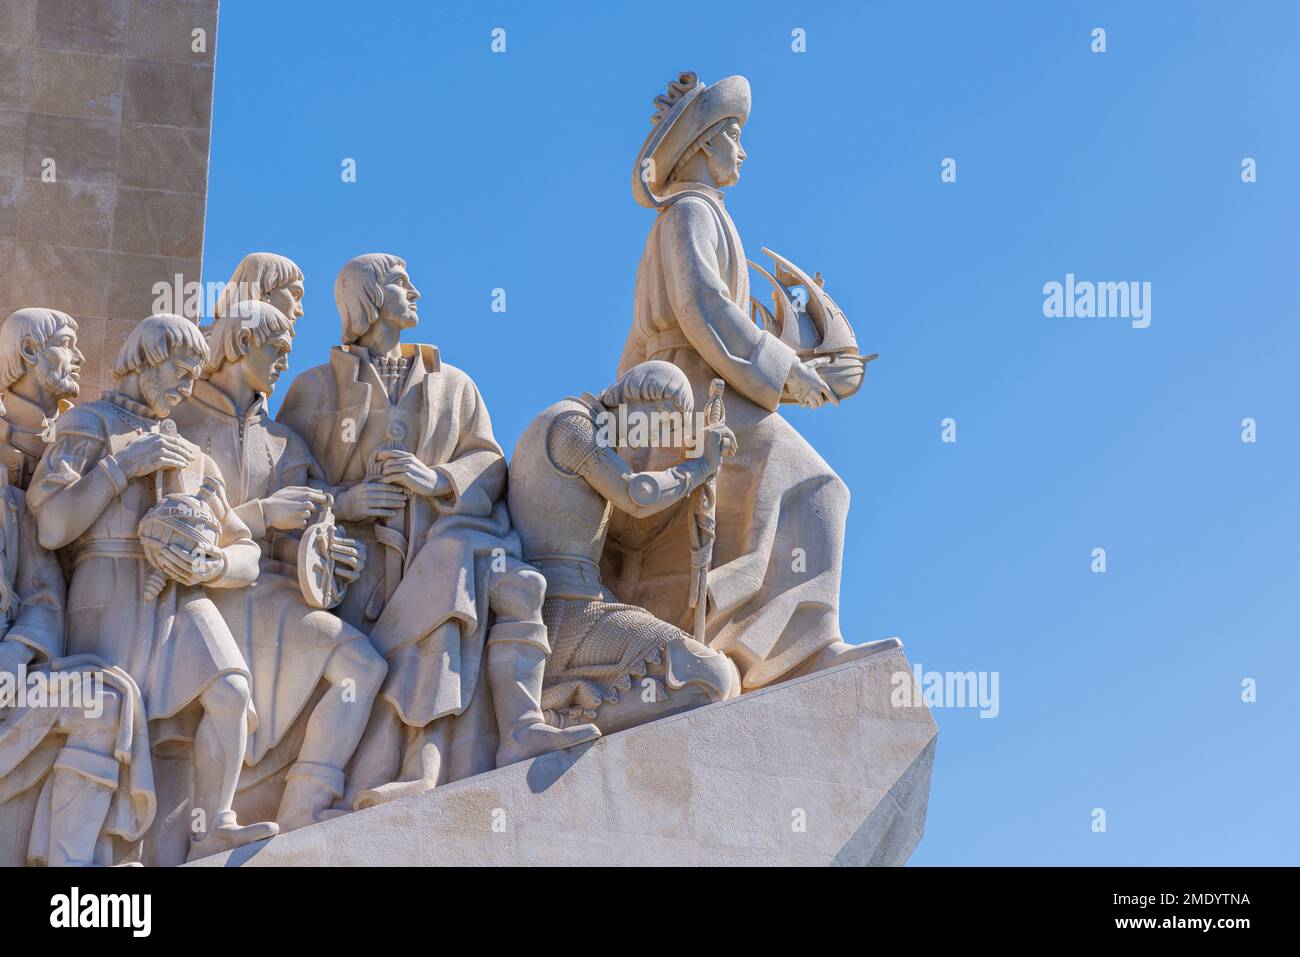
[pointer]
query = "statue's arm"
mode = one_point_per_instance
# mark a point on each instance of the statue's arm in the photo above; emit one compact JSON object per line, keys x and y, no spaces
{"x":73,"y":484}
{"x":641,"y":494}
{"x":476,"y":471}
{"x":243,"y":555}
{"x":753,"y":362}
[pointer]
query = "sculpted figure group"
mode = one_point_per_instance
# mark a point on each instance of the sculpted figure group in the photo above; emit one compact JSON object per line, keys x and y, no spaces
{"x":302,"y":616}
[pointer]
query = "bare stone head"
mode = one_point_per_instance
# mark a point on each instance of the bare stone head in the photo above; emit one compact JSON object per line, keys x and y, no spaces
{"x":254,"y":336}
{"x":40,"y":346}
{"x":267,"y":277}
{"x":375,"y":288}
{"x":655,"y":401}
{"x":160,"y":360}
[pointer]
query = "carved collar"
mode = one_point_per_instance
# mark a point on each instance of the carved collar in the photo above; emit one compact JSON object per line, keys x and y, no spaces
{"x":210,"y":397}
{"x":713,"y":192}
{"x":127,"y":404}
{"x":24,"y":416}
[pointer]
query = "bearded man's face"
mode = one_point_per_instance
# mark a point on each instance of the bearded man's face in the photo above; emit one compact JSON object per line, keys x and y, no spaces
{"x":58,"y":364}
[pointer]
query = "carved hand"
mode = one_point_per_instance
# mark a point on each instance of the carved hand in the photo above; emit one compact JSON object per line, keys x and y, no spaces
{"x":192,"y":569}
{"x":807,"y":387}
{"x":293,"y":508}
{"x":148,"y":453}
{"x":349,"y":557}
{"x":718,"y":441}
{"x":370,"y":500}
{"x":404,"y":469}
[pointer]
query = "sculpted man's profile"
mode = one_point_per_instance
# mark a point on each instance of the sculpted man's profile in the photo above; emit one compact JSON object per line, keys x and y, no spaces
{"x":265,"y":277}
{"x":773,"y":590}
{"x":406,"y":445}
{"x":40,"y":367}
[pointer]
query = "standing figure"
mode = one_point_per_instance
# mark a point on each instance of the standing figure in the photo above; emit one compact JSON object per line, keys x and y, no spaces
{"x":406,"y":443}
{"x":774,"y":588}
{"x":289,"y":646}
{"x":110,"y":463}
{"x":566,"y":479}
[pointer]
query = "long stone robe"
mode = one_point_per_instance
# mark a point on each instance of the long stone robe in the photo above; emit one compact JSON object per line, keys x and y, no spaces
{"x":286,"y":643}
{"x":438,"y":575}
{"x":775,"y":580}
{"x":179,"y":644}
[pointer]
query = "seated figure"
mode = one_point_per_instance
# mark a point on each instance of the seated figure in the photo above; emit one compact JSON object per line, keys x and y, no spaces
{"x":289,"y":645}
{"x":139,"y":603}
{"x":612,"y":664}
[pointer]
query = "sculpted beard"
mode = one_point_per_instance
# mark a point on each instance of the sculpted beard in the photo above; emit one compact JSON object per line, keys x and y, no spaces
{"x":59,"y":381}
{"x":155,"y":396}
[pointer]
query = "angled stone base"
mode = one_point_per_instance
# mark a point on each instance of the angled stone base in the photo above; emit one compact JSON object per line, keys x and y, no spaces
{"x":820,"y":770}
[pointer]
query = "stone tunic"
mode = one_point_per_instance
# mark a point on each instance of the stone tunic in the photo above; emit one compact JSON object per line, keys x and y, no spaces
{"x":179,"y":644}
{"x":286,"y":643}
{"x":767,"y":611}
{"x":24,"y":431}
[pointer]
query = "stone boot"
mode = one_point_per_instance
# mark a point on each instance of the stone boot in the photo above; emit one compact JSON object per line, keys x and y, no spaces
{"x":516,"y":663}
{"x":81,"y":790}
{"x":309,"y":790}
{"x":841,"y":653}
{"x":226,"y":834}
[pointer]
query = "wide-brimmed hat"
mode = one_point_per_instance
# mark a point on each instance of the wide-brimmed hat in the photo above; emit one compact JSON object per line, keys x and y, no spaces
{"x":689,"y":109}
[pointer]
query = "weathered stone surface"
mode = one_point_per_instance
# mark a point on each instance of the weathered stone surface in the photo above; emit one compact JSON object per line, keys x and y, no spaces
{"x":115,"y":93}
{"x":725,"y":784}
{"x":65,"y":83}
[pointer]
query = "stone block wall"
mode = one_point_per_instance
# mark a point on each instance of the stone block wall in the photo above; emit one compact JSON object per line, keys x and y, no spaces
{"x":116,"y":95}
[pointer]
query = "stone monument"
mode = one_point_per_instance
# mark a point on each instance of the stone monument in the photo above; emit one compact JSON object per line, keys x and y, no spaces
{"x":354,"y":634}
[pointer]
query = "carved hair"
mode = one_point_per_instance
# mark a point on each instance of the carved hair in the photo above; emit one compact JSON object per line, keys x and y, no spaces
{"x":154,"y":339}
{"x":698,"y":145}
{"x":651,"y":381}
{"x":258,"y":274}
{"x":359,"y":291}
{"x":249,"y":324}
{"x":33,"y":324}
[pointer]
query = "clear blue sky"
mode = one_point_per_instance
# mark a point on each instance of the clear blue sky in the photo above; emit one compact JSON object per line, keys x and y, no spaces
{"x":1119,"y":690}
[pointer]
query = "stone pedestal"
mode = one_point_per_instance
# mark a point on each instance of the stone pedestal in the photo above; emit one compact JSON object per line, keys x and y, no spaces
{"x":105,"y":113}
{"x":820,"y":770}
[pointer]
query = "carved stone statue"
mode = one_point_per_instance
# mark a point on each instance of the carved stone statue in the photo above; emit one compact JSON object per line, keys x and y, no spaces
{"x":113,"y":463}
{"x":92,"y":768}
{"x":566,"y":478}
{"x":773,"y":591}
{"x":265,"y":277}
{"x":406,"y":443}
{"x":288,"y":645}
{"x":39,"y":370}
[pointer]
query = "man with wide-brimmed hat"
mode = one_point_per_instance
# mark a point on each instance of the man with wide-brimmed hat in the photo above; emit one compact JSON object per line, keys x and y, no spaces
{"x":773,"y":602}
